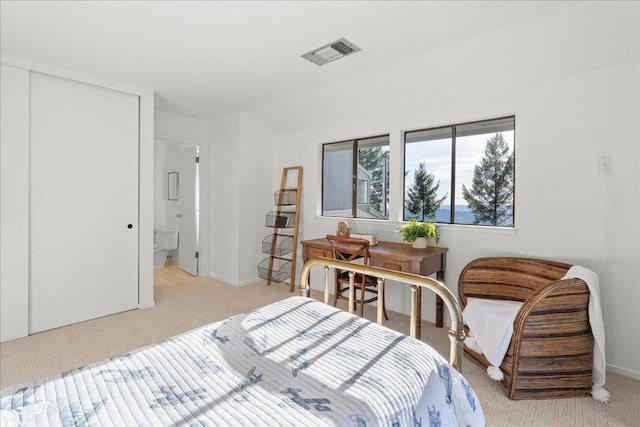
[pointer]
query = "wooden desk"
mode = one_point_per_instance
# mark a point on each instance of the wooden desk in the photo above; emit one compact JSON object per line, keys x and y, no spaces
{"x":393,"y":256}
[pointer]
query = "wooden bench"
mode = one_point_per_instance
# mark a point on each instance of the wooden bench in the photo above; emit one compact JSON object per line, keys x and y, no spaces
{"x":551,"y":350}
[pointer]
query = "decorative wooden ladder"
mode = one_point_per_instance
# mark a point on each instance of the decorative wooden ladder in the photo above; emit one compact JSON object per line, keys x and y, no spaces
{"x":274,"y":268}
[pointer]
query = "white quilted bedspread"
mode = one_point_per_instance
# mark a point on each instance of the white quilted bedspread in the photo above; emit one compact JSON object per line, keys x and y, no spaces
{"x":297,"y":362}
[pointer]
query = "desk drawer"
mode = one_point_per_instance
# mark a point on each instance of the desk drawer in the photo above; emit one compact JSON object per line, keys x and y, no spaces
{"x":319,"y":253}
{"x":392,"y":264}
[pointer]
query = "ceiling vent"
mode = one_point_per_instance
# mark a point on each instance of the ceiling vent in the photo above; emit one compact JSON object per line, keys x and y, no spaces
{"x":330,"y":52}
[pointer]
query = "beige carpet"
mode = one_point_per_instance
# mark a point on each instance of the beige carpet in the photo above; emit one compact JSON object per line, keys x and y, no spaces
{"x":184,"y":302}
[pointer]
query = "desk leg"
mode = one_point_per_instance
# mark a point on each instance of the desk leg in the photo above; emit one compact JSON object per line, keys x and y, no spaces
{"x":439,"y":314}
{"x":439,"y":302}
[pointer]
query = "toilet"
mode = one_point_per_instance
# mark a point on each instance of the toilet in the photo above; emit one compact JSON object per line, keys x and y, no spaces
{"x":164,"y":240}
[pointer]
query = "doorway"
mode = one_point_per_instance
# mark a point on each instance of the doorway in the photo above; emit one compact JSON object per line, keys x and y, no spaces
{"x":178,"y":202}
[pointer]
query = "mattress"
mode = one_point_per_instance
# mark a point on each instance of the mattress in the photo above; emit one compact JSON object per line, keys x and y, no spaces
{"x":296,"y":362}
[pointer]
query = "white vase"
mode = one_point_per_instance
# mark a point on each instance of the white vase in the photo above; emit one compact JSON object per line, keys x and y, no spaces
{"x":420,"y":243}
{"x":432,"y":241}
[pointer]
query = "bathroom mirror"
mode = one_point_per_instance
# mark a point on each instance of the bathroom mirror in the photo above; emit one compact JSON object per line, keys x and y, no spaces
{"x":173,"y":186}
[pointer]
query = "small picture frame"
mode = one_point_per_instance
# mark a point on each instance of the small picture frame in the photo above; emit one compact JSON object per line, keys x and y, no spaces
{"x":173,"y":185}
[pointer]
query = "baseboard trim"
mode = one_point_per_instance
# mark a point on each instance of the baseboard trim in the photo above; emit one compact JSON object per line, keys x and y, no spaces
{"x":235,"y":283}
{"x":223,"y":279}
{"x":613,"y":369}
{"x":249,"y":282}
{"x":147,"y":304}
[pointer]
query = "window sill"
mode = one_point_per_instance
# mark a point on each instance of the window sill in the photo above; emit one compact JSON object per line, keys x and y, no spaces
{"x":349,"y":219}
{"x":478,"y":228}
{"x":453,"y":227}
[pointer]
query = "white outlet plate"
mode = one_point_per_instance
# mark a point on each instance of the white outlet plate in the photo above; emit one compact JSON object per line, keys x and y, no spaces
{"x":604,"y":164}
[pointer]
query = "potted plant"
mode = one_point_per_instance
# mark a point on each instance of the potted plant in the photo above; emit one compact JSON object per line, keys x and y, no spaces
{"x":417,"y":233}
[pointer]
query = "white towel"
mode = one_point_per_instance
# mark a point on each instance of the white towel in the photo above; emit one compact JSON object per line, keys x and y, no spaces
{"x":597,"y":329}
{"x":491,"y":325}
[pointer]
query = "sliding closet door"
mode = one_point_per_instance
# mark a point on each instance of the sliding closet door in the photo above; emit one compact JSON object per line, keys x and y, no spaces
{"x":84,"y":202}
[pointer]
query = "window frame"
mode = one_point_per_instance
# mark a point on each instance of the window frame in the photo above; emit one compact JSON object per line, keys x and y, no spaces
{"x":354,"y":177}
{"x":365,"y":193}
{"x":452,"y":188}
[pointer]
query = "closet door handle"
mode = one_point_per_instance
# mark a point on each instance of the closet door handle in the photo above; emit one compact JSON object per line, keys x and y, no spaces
{"x":129,"y":225}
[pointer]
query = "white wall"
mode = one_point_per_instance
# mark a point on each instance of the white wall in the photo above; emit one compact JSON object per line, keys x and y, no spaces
{"x":241,"y":194}
{"x":574,"y":91}
{"x":224,"y":198}
{"x":168,"y":209}
{"x":177,"y":126}
{"x":145,"y":193}
{"x":256,"y":190}
{"x":159,"y":184}
{"x":14,"y":209}
{"x":581,"y":38}
{"x":172,"y":164}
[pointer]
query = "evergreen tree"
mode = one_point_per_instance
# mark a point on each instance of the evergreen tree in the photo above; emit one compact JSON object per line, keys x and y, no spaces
{"x":422,"y":194}
{"x":371,"y":159}
{"x":490,"y":197}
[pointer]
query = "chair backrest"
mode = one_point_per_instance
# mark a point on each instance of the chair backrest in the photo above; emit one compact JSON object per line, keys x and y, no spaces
{"x":508,"y":278}
{"x":348,"y":249}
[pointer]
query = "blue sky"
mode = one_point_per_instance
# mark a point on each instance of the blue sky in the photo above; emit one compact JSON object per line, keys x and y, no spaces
{"x":437,"y":156}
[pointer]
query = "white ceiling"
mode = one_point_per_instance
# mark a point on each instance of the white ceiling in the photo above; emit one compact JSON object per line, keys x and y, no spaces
{"x":206,"y":59}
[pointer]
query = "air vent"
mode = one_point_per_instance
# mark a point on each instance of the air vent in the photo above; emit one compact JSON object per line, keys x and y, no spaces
{"x":331,"y":52}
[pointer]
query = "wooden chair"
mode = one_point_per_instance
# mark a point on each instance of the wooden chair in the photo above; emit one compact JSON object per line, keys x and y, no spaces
{"x":551,"y":350}
{"x":348,"y":249}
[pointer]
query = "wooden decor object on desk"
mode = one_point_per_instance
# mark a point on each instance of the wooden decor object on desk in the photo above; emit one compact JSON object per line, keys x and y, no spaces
{"x":343,"y":230}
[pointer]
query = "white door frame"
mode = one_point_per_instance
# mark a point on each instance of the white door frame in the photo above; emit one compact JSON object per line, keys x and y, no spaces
{"x":203,"y":177}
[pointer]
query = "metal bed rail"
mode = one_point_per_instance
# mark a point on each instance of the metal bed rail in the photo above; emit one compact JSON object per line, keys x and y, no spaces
{"x":456,"y":332}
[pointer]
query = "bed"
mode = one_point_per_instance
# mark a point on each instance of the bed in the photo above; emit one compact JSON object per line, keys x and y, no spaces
{"x":296,"y":362}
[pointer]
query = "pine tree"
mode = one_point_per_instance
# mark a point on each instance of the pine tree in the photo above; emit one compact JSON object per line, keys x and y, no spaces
{"x":422,"y":194}
{"x":371,"y":159}
{"x":491,"y":195}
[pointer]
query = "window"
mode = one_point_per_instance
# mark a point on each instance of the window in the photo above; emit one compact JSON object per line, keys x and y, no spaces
{"x":461,"y":174}
{"x":355,"y":178}
{"x":363,"y":191}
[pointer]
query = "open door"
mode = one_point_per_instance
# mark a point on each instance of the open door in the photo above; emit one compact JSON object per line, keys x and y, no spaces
{"x":188,"y":210}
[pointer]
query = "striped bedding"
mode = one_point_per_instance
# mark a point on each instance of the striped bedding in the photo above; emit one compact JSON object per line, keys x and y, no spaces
{"x":296,"y":362}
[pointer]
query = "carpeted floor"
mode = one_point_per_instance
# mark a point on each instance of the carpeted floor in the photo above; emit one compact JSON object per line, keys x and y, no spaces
{"x":184,"y":302}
